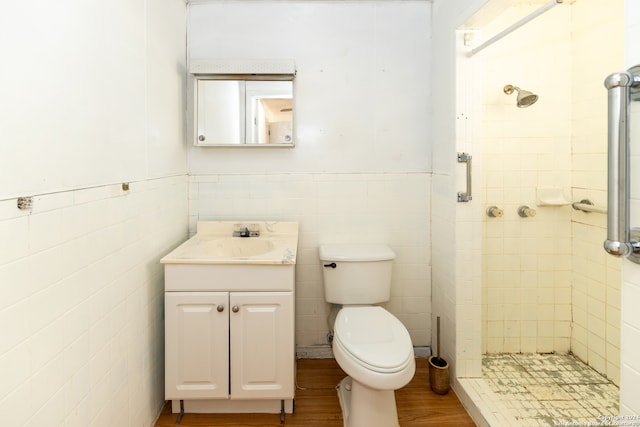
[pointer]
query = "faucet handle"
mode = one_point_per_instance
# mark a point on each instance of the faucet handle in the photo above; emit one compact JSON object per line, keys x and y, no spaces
{"x":254,"y":230}
{"x":240,"y":230}
{"x":526,"y":212}
{"x":494,"y":212}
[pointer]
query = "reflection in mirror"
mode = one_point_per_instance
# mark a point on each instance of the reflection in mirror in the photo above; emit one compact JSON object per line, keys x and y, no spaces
{"x":244,"y":112}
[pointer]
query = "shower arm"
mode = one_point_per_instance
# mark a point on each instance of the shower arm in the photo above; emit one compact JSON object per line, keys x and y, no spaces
{"x":515,"y":26}
{"x":620,"y":87}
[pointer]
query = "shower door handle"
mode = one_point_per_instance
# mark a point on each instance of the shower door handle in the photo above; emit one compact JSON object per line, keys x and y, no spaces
{"x":620,"y":87}
{"x":465,"y":158}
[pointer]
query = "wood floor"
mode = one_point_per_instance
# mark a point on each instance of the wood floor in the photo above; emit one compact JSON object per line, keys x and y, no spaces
{"x":316,"y":403}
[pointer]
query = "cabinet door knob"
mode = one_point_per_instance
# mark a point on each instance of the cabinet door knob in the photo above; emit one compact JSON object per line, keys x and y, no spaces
{"x":235,"y":309}
{"x":220,"y":308}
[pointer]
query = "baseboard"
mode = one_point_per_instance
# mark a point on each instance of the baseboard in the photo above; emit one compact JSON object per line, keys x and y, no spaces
{"x":314,"y":352}
{"x":422,"y":352}
{"x":324,"y":352}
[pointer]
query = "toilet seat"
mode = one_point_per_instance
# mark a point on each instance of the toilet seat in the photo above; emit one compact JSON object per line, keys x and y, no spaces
{"x":373,"y":338}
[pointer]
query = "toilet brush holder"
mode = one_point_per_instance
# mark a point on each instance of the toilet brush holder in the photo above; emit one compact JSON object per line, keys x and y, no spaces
{"x":438,"y":375}
{"x":438,"y":369}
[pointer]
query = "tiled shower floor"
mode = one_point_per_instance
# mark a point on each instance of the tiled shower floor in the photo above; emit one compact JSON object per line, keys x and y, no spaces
{"x":550,"y":389}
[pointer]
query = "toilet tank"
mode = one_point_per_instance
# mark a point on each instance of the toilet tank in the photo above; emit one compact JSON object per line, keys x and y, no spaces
{"x":356,"y":274}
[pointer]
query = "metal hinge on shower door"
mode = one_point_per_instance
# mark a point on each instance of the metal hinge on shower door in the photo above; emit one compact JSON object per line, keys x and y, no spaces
{"x":465,"y":196}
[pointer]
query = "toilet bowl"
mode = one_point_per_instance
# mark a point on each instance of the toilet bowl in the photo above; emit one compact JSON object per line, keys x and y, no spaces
{"x":370,"y":344}
{"x":374,"y":347}
{"x":375,"y":351}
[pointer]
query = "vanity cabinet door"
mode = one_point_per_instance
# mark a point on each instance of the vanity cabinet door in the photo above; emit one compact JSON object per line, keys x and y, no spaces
{"x":196,"y":345}
{"x":262,"y":345}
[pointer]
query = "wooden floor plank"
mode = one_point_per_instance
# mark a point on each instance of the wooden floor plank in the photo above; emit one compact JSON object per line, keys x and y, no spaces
{"x":317,"y":403}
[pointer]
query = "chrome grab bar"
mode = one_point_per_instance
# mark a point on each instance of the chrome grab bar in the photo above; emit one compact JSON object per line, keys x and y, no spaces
{"x":620,"y":87}
{"x":587,"y":206}
{"x":465,"y":196}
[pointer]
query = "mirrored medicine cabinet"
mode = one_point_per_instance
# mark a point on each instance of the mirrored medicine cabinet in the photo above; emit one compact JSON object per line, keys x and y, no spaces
{"x":244,"y":110}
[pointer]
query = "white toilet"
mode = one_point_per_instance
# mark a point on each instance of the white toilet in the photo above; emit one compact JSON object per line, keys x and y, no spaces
{"x":371,"y":345}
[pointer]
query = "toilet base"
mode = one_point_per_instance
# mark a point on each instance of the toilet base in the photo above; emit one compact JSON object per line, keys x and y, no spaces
{"x":363,"y":406}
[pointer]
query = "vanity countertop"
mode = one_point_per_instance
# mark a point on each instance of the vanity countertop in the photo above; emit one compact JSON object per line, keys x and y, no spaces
{"x":214,"y":244}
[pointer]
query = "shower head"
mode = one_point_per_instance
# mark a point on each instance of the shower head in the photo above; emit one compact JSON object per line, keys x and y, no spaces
{"x":525,"y":98}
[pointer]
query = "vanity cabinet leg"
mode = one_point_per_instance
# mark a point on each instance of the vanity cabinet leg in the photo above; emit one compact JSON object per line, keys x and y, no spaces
{"x":179,"y":420}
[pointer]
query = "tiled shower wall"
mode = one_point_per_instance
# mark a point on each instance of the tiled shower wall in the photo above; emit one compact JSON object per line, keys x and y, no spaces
{"x":335,"y":208}
{"x":82,"y":302}
{"x":549,"y":286}
{"x":596,"y":30}
{"x":448,"y":15}
{"x":527,"y":261}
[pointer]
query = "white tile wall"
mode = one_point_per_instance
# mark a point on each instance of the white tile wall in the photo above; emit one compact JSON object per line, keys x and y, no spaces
{"x":443,"y":217}
{"x":335,"y":208}
{"x":456,"y":237}
{"x":81,"y":297}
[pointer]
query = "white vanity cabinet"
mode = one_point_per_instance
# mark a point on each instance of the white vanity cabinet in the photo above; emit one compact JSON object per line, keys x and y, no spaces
{"x":229,"y":345}
{"x":262,"y":363}
{"x":230,"y":320}
{"x":196,"y":345}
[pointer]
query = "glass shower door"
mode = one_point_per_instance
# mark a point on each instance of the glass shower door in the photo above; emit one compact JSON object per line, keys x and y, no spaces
{"x":623,"y":240}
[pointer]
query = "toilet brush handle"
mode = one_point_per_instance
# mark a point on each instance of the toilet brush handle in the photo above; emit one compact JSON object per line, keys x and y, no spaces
{"x":438,"y":334}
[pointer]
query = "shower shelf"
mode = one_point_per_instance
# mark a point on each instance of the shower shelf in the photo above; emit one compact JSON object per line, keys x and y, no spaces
{"x":551,"y":197}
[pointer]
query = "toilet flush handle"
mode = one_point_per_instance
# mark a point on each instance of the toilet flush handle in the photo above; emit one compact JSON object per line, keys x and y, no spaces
{"x":332,"y":265}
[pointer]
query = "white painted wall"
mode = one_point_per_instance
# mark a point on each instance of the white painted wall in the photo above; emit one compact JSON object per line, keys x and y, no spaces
{"x":84,"y":103}
{"x":361,"y":88}
{"x":360,"y":171}
{"x":92,"y":96}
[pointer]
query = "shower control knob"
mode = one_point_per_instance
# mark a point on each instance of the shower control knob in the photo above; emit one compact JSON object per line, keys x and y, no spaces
{"x":494,"y":212}
{"x":526,"y":212}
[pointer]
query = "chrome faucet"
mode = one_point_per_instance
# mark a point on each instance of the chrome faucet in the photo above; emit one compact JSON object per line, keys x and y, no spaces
{"x":243,"y":231}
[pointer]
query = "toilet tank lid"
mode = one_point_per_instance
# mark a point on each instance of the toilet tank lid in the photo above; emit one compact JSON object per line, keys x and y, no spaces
{"x":356,"y":252}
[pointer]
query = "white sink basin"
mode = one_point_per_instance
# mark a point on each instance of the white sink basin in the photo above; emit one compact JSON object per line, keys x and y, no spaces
{"x":233,"y":247}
